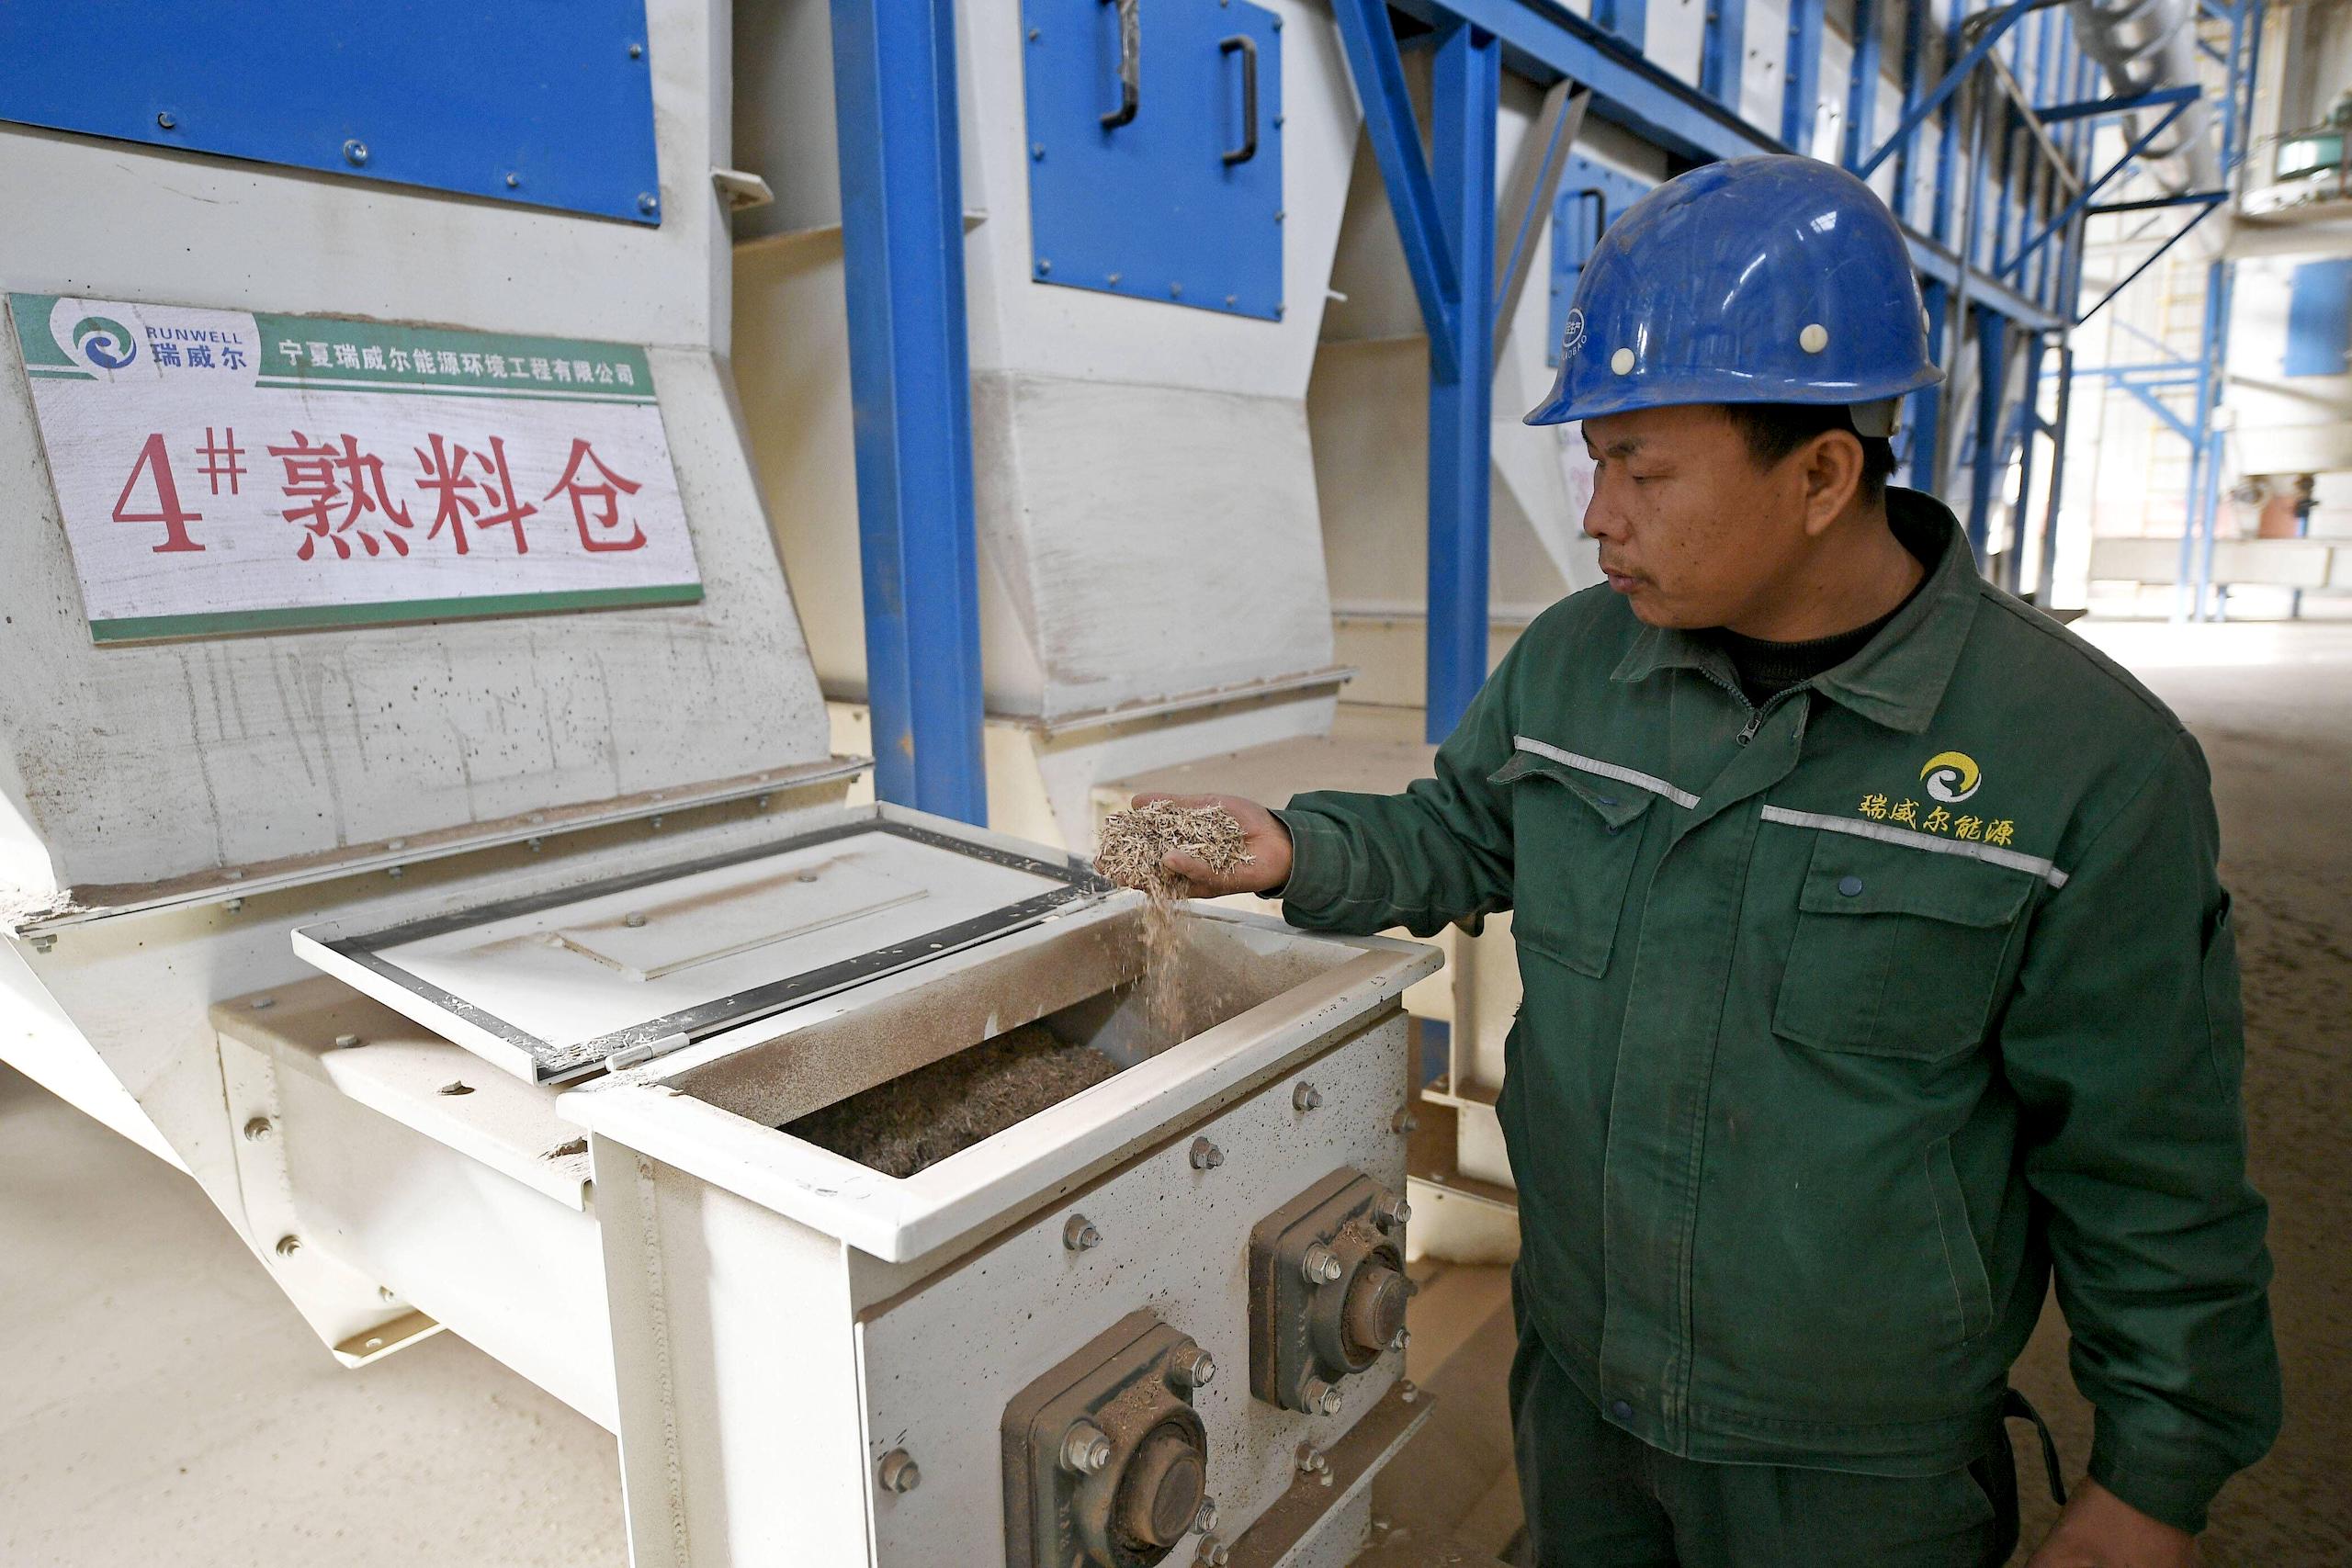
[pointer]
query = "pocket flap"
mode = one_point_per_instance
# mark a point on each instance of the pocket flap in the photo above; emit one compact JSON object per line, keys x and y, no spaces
{"x":1615,"y":804}
{"x":1849,"y":876}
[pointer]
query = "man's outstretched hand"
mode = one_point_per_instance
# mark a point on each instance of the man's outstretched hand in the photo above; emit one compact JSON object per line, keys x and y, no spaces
{"x":1268,"y":841}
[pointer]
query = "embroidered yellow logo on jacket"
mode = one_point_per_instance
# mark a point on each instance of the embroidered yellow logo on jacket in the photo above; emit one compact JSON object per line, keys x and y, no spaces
{"x":1950,"y":778}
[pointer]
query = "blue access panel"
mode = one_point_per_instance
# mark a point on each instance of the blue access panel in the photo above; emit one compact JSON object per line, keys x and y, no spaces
{"x":1591,"y":198}
{"x":2319,"y":319}
{"x":544,"y":103}
{"x":1156,"y":149}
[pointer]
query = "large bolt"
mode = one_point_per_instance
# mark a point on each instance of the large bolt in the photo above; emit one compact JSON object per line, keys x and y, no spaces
{"x":1085,"y":1449}
{"x":898,"y":1471}
{"x":1321,"y":1266}
{"x":1206,"y":1521}
{"x":1319,"y":1398}
{"x":1306,"y":1097}
{"x":1192,"y":1366}
{"x":1079,"y":1234}
{"x":1392,"y":1211}
{"x":1207,"y":1155}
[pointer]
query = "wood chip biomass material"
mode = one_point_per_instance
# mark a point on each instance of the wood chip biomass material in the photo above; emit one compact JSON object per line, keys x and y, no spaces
{"x":1134,"y":843}
{"x":917,"y":1120}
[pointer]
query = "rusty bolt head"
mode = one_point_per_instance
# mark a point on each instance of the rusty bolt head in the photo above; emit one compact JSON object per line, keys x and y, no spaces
{"x":1206,"y":1521}
{"x":1192,"y":1366}
{"x":1079,"y":1234}
{"x":1306,"y":1097}
{"x":1392,"y":1211}
{"x":1320,"y":1398}
{"x":898,"y":1471}
{"x":1310,"y":1458}
{"x":1207,"y":1155}
{"x":1085,"y":1449}
{"x":1321,"y":1266}
{"x":257,"y":1128}
{"x":288,"y":1245}
{"x":1405,"y":1121}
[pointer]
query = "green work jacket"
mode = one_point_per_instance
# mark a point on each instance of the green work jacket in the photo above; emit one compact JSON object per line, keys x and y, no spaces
{"x":1850,"y":1020}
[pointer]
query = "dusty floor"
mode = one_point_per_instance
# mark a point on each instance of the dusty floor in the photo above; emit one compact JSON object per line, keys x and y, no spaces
{"x":162,"y":1404}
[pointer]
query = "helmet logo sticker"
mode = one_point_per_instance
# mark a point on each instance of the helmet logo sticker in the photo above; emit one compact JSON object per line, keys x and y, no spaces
{"x":1952,"y":776}
{"x":1573,"y":338}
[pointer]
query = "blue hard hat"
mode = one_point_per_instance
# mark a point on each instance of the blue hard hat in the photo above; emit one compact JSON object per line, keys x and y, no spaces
{"x":1773,"y":279}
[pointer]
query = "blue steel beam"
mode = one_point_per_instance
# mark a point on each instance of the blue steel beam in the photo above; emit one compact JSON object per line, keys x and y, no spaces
{"x":1917,"y":20}
{"x":1801,"y":73}
{"x":1722,"y":46}
{"x":2093,"y":108}
{"x":1370,"y":41}
{"x":2003,"y":19}
{"x":1628,"y":19}
{"x":1465,"y":93}
{"x":902,"y":254}
{"x":1861,"y":86}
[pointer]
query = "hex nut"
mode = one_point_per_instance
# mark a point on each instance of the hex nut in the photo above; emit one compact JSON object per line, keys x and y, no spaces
{"x":1215,"y":1553}
{"x":1306,"y":1097}
{"x":1320,"y":1398}
{"x":898,"y":1471}
{"x":1392,"y":1211}
{"x":1192,"y":1366}
{"x":1206,"y":1521}
{"x":1321,"y":1266}
{"x":1207,"y":1155}
{"x":1085,"y":1449}
{"x":1079,"y":1234}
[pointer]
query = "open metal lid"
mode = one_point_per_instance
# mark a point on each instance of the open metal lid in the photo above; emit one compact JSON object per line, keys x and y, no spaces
{"x":612,"y":973}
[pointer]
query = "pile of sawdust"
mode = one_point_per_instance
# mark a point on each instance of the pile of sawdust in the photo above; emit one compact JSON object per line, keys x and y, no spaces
{"x":1135,"y":842}
{"x":899,"y":1127}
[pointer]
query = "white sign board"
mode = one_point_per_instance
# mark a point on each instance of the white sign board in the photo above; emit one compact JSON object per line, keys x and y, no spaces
{"x":223,"y":472}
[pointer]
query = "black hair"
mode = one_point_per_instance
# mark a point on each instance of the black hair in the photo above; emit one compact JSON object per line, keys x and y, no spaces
{"x":1775,"y":430}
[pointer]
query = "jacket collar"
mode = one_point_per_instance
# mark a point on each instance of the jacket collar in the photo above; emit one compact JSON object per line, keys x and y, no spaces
{"x":1898,"y":679}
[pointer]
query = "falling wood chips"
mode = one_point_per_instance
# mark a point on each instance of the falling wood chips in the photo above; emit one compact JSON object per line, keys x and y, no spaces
{"x":1135,"y":842}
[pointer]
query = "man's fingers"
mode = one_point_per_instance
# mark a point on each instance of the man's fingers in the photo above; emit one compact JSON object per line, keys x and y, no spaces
{"x":1192,"y":868}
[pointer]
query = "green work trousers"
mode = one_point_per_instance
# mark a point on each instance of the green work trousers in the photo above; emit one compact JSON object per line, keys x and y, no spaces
{"x":1598,"y":1496}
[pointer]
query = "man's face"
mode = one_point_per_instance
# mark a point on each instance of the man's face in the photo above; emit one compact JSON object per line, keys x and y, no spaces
{"x":1693,"y":531}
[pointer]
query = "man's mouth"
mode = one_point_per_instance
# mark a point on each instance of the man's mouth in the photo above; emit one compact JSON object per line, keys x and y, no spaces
{"x":1623,"y":581}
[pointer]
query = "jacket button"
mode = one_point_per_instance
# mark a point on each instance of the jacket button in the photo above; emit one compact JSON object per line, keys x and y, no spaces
{"x":1622,"y":1409}
{"x":1851,"y":886}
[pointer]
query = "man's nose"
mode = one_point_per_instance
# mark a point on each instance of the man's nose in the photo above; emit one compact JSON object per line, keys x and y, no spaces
{"x":1602,"y":518}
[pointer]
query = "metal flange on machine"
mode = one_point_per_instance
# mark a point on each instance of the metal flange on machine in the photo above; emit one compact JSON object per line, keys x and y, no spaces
{"x":1327,"y":1289}
{"x":1106,"y":1461}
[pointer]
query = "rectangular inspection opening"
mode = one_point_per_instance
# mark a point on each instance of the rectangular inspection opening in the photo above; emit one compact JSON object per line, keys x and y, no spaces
{"x":932,"y":1068}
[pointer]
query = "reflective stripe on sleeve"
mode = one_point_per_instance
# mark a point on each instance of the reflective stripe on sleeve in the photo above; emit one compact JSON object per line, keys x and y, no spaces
{"x":1911,"y":838}
{"x":1650,"y":782}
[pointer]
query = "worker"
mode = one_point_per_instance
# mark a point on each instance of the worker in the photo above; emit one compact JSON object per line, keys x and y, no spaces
{"x":1876,"y":967}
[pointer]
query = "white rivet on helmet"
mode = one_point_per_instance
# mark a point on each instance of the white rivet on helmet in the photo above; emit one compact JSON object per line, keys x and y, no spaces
{"x":1621,"y":362}
{"x":1814,"y":338}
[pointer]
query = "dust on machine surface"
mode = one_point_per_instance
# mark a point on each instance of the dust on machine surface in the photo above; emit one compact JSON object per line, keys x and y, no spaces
{"x":421,"y":823}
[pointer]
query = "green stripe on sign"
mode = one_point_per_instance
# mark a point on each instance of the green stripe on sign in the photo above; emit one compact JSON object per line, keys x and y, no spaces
{"x":324,"y":617}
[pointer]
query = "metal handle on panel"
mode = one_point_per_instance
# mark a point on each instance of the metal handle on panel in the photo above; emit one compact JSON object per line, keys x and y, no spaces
{"x":1249,"y":47}
{"x":1130,"y":64}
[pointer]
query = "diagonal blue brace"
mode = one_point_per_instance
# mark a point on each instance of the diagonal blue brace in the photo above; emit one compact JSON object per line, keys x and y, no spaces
{"x":2002,"y":21}
{"x":1379,"y":71}
{"x":2083,"y":197}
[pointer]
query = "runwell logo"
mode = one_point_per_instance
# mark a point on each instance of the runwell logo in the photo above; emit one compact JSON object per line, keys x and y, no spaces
{"x":1573,"y":338}
{"x":104,"y":342}
{"x":1952,"y":776}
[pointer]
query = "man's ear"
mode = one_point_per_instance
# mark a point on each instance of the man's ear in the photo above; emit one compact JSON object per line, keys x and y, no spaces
{"x":1831,"y":468}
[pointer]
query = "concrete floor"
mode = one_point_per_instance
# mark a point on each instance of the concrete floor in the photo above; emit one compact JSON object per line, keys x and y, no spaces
{"x":163,"y":1402}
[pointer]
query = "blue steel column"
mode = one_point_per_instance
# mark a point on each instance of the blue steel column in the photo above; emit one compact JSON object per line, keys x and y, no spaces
{"x":1466,"y":85}
{"x":902,"y":266}
{"x":1992,"y":361}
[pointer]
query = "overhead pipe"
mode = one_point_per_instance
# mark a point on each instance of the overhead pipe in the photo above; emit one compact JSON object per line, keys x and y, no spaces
{"x":2146,"y":44}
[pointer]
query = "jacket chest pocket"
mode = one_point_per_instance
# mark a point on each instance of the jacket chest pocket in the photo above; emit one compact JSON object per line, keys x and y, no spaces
{"x":1575,"y":838}
{"x":1898,"y":951}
